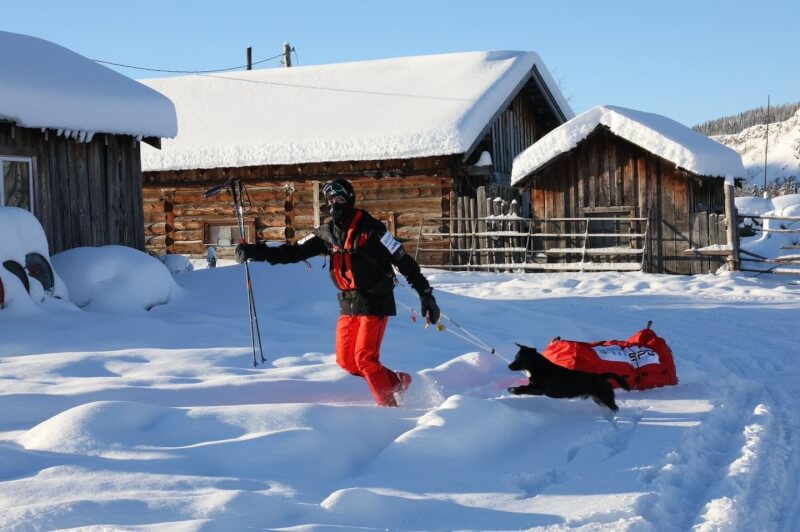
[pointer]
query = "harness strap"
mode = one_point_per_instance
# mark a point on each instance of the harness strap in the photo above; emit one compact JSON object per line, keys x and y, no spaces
{"x":341,"y":263}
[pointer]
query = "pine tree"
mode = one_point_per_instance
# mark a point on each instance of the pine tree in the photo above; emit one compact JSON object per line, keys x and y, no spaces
{"x":729,"y":125}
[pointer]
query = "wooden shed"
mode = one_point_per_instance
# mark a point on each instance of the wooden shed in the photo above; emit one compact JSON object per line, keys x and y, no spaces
{"x":619,"y":189}
{"x":70,"y":135}
{"x":410,"y":133}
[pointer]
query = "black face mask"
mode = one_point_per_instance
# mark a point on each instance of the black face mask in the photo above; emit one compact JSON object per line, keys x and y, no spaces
{"x":341,"y":211}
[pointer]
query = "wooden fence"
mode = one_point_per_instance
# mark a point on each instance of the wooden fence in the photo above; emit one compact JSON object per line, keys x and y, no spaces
{"x":788,"y":264}
{"x":708,"y":242}
{"x":488,"y":233}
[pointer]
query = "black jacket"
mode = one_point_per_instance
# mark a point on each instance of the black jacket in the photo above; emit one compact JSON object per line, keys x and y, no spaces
{"x":362,"y":253}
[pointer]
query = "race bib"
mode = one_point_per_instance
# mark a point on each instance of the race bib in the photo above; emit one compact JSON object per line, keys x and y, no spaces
{"x":635,"y":356}
{"x":389,"y":242}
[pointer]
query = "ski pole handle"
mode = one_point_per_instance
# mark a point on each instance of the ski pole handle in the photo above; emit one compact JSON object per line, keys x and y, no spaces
{"x":216,"y":190}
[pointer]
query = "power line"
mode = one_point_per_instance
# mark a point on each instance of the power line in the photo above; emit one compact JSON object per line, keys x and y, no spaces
{"x":185,"y":71}
{"x":343,"y":90}
{"x":209,"y":73}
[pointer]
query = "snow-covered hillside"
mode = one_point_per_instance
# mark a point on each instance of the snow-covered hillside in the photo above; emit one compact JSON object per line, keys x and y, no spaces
{"x":783,"y":155}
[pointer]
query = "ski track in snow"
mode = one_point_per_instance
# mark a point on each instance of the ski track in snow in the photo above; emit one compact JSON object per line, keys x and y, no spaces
{"x":726,"y":477}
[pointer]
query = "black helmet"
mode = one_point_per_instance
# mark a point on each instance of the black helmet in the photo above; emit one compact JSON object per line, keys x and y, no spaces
{"x":341,"y":199}
{"x":341,"y":188}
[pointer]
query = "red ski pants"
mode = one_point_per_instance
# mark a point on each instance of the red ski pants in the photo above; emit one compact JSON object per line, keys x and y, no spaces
{"x":358,"y":347}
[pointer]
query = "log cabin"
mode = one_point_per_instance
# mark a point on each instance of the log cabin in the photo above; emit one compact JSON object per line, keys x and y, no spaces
{"x":70,"y":136}
{"x":616,"y":165}
{"x":410,"y":133}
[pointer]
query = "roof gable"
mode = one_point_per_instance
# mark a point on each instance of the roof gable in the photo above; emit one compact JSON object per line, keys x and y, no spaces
{"x":657,"y":134}
{"x":45,"y":85}
{"x":369,"y":110}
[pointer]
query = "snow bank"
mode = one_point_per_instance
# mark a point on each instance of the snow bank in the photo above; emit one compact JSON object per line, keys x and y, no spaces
{"x":22,"y":234}
{"x":770,"y":244}
{"x":47,"y":86}
{"x":176,"y":263}
{"x":786,"y":205}
{"x":158,"y":420}
{"x":114,"y":279}
{"x":657,"y":134}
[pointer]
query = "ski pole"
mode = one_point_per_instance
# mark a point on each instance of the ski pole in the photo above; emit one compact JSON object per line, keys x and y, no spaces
{"x":464,"y":334}
{"x":237,"y":189}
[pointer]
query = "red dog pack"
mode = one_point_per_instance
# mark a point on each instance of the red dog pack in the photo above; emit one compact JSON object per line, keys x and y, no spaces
{"x":644,"y":360}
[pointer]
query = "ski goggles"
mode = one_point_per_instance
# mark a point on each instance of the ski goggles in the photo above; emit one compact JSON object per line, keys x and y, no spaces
{"x":335,"y":199}
{"x":335,"y":190}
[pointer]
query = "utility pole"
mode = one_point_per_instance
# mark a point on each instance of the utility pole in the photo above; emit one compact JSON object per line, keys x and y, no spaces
{"x":287,"y":55}
{"x":766,"y":148}
{"x":249,"y":58}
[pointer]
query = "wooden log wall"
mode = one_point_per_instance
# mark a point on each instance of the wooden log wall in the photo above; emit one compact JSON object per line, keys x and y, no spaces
{"x":285,"y":208}
{"x":85,"y":193}
{"x":515,"y":130}
{"x":606,"y":172}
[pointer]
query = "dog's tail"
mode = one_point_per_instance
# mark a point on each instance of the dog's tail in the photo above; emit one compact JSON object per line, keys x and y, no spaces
{"x":622,"y":382}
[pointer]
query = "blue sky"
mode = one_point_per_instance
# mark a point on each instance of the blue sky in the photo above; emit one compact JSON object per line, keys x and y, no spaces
{"x":689,"y":60}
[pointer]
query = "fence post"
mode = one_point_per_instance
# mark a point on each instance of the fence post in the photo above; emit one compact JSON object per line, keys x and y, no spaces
{"x":516,"y":243}
{"x":732,"y":226}
{"x":497,"y":225}
{"x":716,"y":236}
{"x":474,"y":257}
{"x":460,"y":229}
{"x":481,"y":225}
{"x":489,"y":228}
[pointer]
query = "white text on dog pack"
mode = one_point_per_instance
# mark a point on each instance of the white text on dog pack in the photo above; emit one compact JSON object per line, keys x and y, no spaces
{"x":635,"y":356}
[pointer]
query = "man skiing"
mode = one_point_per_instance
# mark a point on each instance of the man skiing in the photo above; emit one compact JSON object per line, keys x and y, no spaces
{"x":362,"y":253}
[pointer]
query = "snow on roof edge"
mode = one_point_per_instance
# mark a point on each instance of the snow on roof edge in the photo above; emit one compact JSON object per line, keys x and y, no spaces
{"x":657,"y":134}
{"x":47,"y":86}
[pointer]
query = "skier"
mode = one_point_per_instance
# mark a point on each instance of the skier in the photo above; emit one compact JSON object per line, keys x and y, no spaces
{"x":362,"y":253}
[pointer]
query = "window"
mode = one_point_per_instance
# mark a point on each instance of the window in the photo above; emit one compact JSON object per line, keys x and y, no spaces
{"x":225,"y":235}
{"x":17,"y":186}
{"x":613,"y":226}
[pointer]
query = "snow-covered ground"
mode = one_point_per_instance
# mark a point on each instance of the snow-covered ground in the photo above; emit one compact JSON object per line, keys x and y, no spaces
{"x":117,"y":417}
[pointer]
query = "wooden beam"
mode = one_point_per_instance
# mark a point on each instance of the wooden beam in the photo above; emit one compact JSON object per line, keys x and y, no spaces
{"x":513,"y":94}
{"x":602,"y":210}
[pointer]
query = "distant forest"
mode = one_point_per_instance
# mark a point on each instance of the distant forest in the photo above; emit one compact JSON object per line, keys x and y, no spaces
{"x":729,"y":125}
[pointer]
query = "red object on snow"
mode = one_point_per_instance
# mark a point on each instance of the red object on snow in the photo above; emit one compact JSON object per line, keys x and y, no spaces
{"x":644,"y":360}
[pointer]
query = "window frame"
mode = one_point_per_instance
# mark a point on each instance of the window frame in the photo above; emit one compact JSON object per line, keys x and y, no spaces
{"x":618,"y":227}
{"x":31,"y":191}
{"x":249,"y":229}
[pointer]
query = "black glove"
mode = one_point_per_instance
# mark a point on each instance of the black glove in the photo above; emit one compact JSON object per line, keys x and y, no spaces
{"x":429,"y":308}
{"x":252,"y":252}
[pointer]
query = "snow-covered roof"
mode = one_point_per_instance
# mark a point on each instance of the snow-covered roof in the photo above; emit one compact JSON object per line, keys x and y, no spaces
{"x":44,"y":85}
{"x":657,"y":134}
{"x":368,"y":110}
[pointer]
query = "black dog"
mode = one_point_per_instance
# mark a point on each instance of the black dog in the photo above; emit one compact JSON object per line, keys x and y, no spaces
{"x":552,"y":380}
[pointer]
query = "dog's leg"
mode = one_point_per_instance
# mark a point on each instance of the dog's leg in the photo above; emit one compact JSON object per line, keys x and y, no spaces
{"x":528,"y":389}
{"x":605,"y":396}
